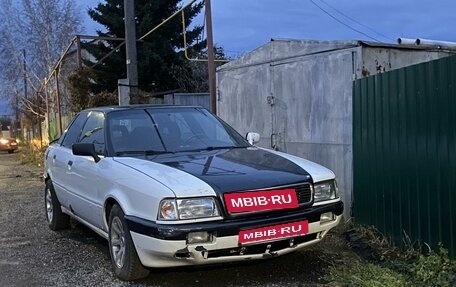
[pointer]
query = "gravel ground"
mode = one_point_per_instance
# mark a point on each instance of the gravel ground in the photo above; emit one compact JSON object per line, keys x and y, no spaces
{"x":33,"y":255}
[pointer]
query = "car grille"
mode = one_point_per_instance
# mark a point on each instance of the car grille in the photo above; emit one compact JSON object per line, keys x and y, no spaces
{"x":304,"y":193}
{"x":262,"y":248}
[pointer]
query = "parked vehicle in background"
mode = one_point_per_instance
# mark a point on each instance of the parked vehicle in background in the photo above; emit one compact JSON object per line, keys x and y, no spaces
{"x":8,"y":144}
{"x":174,"y":186}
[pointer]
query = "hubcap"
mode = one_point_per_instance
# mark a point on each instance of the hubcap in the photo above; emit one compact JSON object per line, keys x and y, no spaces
{"x":117,"y":239}
{"x":49,"y":209}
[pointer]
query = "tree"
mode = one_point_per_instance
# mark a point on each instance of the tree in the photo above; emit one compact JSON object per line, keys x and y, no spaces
{"x":41,"y":28}
{"x":160,"y":55}
{"x":80,"y":85}
{"x":196,"y":78}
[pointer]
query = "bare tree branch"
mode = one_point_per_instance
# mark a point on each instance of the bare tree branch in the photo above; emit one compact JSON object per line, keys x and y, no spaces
{"x":43,"y":28}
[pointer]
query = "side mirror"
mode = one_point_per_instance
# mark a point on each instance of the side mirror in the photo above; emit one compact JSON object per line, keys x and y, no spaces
{"x":85,"y":149}
{"x":252,"y":138}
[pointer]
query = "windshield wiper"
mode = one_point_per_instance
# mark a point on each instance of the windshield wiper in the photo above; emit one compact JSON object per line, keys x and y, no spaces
{"x":209,"y":148}
{"x":142,"y":152}
{"x":91,"y":132}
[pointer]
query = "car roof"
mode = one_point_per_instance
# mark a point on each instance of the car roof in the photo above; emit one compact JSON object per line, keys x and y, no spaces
{"x":108,"y":109}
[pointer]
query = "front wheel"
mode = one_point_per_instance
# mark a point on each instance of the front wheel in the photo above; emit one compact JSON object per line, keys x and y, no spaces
{"x":55,"y":217}
{"x":124,"y":258}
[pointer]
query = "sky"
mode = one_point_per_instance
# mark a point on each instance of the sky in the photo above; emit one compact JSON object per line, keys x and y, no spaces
{"x":243,"y":25}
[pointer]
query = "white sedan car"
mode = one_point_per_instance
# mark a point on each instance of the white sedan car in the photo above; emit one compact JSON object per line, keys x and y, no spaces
{"x":172,"y":186}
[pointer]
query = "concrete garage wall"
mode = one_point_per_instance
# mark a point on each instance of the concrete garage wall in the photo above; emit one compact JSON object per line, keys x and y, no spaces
{"x":305,"y":122}
{"x":298,"y":96}
{"x":377,"y":59}
{"x":242,"y":100}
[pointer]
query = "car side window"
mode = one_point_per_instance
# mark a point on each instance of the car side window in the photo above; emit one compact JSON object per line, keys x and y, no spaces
{"x":71,"y":135}
{"x":93,"y":132}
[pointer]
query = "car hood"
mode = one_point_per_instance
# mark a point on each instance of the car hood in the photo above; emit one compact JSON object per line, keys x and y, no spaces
{"x":237,"y":169}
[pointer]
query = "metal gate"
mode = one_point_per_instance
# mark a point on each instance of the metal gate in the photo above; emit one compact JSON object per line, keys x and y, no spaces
{"x":404,"y":153}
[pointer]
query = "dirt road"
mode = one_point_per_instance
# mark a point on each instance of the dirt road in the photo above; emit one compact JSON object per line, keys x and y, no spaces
{"x":33,"y":255}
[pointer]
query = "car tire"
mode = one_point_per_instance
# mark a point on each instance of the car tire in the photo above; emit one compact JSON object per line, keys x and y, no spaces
{"x":11,"y":151}
{"x":124,"y":258}
{"x":55,"y":217}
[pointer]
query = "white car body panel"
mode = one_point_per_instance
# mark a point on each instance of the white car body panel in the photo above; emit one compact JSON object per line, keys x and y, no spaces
{"x":183,"y":184}
{"x":55,"y":167}
{"x":317,"y":172}
{"x":136,"y":192}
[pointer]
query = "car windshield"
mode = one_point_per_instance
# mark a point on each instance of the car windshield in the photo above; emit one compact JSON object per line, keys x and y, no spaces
{"x":168,"y":130}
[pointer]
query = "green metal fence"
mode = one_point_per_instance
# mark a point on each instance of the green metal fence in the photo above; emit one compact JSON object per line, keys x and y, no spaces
{"x":404,"y":153}
{"x":53,"y":129}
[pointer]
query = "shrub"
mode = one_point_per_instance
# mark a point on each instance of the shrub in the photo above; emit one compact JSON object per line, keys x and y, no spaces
{"x":435,"y":269}
{"x":387,"y":265}
{"x":32,"y":153}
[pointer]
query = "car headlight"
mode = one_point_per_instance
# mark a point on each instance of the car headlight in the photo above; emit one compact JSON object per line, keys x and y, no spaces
{"x":4,"y":141}
{"x":325,"y":191}
{"x":167,"y":210}
{"x":189,"y":208}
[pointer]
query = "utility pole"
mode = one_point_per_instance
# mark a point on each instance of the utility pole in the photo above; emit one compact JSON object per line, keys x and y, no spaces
{"x":16,"y":122}
{"x":25,"y":83}
{"x":59,"y":108}
{"x":130,"y":41}
{"x":79,"y":51}
{"x":211,"y":57}
{"x":25,"y":73}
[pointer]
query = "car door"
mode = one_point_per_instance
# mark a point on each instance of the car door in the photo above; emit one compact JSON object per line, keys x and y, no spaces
{"x":87,"y":202}
{"x":59,"y":157}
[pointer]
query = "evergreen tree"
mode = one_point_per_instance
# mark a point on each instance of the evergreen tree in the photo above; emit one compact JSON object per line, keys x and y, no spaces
{"x":160,"y":55}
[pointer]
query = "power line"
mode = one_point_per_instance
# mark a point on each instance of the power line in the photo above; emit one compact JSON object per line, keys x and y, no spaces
{"x":145,"y":35}
{"x":357,"y":22}
{"x":342,"y":22}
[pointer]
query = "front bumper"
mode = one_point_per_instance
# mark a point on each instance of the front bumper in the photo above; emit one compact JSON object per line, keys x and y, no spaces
{"x":161,"y":245}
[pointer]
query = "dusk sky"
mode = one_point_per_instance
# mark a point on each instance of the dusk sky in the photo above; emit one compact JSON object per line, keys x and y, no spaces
{"x":242,"y":25}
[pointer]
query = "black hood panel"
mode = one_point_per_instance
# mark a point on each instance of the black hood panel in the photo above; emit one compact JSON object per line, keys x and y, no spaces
{"x":237,"y":169}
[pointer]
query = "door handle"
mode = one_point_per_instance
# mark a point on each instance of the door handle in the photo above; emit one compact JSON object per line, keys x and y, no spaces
{"x":54,"y":156}
{"x":70,"y":163}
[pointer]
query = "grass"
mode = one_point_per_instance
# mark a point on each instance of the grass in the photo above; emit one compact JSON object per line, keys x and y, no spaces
{"x":382,"y":264}
{"x":32,"y":153}
{"x":366,"y":274}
